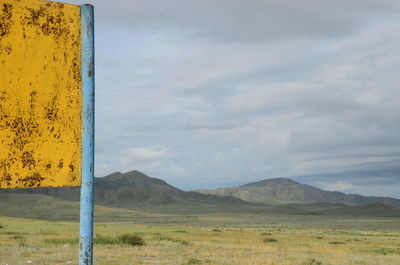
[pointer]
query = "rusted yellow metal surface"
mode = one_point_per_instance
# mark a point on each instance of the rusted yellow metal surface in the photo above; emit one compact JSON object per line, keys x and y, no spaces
{"x":40,"y":94}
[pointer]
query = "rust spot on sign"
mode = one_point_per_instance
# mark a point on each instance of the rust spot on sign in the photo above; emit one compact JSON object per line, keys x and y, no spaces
{"x":28,"y":160}
{"x":5,"y":19}
{"x":32,"y":181}
{"x":40,"y":94}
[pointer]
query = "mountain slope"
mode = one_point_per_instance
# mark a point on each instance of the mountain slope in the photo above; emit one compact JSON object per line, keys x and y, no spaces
{"x":37,"y":206}
{"x":283,"y":190}
{"x":133,"y":187}
{"x":117,"y":194}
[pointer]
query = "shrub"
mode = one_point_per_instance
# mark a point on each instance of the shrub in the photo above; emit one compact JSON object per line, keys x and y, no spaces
{"x":125,"y":239}
{"x":2,"y":226}
{"x":266,"y":234}
{"x":312,"y":262}
{"x":336,"y":243}
{"x":163,"y":238}
{"x":383,"y":251}
{"x":131,"y":239}
{"x":106,"y":240}
{"x":217,"y":230}
{"x":270,"y":239}
{"x":192,"y":261}
{"x":183,"y":242}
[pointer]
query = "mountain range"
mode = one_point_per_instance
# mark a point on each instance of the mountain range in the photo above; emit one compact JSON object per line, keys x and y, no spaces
{"x":134,"y":190}
{"x":284,"y":191}
{"x":133,"y":187}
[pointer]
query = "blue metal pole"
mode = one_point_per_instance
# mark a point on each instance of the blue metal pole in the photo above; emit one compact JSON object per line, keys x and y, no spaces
{"x":87,"y":68}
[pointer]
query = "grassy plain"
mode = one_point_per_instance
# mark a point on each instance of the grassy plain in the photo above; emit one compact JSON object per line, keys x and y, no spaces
{"x":209,"y":239}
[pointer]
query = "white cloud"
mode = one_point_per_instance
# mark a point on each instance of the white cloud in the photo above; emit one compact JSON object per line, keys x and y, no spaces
{"x":236,"y":20}
{"x":336,"y":186}
{"x":297,"y":87}
{"x":145,"y":154}
{"x":157,"y":161}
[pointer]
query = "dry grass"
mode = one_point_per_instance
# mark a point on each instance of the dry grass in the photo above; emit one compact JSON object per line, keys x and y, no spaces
{"x":42,"y":242}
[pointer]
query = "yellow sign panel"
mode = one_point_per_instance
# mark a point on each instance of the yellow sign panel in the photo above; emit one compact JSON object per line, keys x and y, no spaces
{"x":40,"y":94}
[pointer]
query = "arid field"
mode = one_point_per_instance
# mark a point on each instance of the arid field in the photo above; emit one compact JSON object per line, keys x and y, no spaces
{"x":25,"y":241}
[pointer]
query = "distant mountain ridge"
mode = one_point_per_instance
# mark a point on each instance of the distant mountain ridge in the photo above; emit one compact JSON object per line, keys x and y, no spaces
{"x":120,"y":195}
{"x":133,"y":187}
{"x":284,"y":191}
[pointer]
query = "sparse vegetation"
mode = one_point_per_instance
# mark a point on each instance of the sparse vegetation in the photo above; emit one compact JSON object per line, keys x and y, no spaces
{"x":106,"y":240}
{"x":61,"y":241}
{"x":192,"y":261}
{"x":270,"y":240}
{"x":18,"y":237}
{"x":199,"y":244}
{"x":312,"y":262}
{"x":124,"y":239}
{"x":181,"y":231}
{"x":166,"y":238}
{"x":12,"y":233}
{"x":336,"y":243}
{"x":131,"y":239}
{"x":384,"y":251}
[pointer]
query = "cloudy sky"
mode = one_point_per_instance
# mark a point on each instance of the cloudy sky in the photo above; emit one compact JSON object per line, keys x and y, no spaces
{"x":212,"y":93}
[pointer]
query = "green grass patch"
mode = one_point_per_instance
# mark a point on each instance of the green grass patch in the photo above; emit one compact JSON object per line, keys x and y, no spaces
{"x":176,"y":240}
{"x":18,"y":237}
{"x":47,"y":233}
{"x":181,"y":231}
{"x":131,"y":239}
{"x":106,"y":240}
{"x":384,"y":251}
{"x":192,"y":261}
{"x":163,"y":238}
{"x":12,"y":233}
{"x":266,"y":234}
{"x":61,"y":241}
{"x":124,"y":239}
{"x":270,"y":240}
{"x":336,"y":243}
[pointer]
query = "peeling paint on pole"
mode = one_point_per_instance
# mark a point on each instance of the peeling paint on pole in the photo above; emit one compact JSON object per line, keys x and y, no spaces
{"x":40,"y":94}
